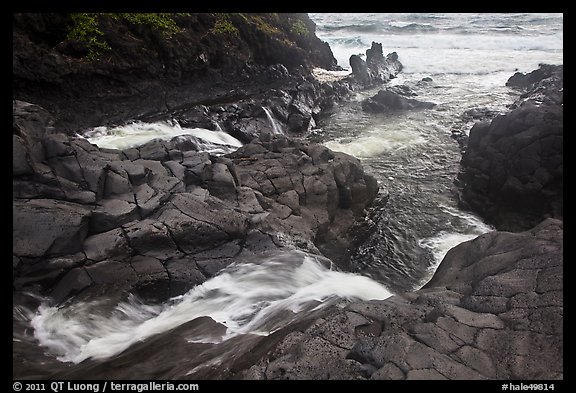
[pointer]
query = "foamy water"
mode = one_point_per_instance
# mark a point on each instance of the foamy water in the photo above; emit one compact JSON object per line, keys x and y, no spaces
{"x":469,"y":57}
{"x":253,"y":298}
{"x":138,"y":133}
{"x":442,"y":43}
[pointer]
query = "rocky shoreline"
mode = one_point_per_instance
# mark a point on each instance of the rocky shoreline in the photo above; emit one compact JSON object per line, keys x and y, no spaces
{"x":493,"y":310}
{"x":494,"y":307}
{"x":158,"y":219}
{"x":200,"y":77}
{"x":512,"y":169}
{"x":163,"y":217}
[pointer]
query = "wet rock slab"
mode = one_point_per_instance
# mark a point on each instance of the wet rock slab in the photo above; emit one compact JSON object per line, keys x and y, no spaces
{"x":493,"y":310}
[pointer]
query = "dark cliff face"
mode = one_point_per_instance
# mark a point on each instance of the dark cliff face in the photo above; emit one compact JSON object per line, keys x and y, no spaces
{"x":140,"y":69}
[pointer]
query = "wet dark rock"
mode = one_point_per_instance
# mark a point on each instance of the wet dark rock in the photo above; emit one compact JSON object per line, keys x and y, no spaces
{"x":150,"y":238}
{"x":513,"y":166}
{"x":46,"y":227}
{"x":377,"y":69}
{"x":20,"y":158}
{"x":479,"y":114}
{"x":194,"y":214}
{"x":31,"y":123}
{"x":525,"y":81}
{"x":71,"y":284}
{"x":183,"y":275}
{"x":390,"y":100}
{"x":402,"y":90}
{"x":153,"y":283}
{"x":112,"y":244}
{"x":306,"y":188}
{"x":359,"y":68}
{"x":481,"y":316}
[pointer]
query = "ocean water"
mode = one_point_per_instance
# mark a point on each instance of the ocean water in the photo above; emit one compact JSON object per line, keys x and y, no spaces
{"x":469,"y":58}
{"x":415,"y":221}
{"x":448,"y":43}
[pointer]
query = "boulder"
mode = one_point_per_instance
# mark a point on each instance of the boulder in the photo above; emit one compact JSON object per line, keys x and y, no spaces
{"x":21,"y":163}
{"x":389,"y":100}
{"x":525,"y":81}
{"x":107,"y":245}
{"x":31,"y":123}
{"x":47,"y":227}
{"x":307,"y":189}
{"x":512,"y":169}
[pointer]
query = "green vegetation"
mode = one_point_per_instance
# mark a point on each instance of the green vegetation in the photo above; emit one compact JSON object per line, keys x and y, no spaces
{"x":89,"y":29}
{"x":86,"y":28}
{"x":161,"y":22}
{"x":224,"y":25}
{"x":299,"y":28}
{"x":264,"y":26}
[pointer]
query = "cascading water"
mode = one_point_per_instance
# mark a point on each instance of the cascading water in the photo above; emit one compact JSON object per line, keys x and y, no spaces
{"x":135,"y":134}
{"x":460,"y":62}
{"x":254,"y":299}
{"x":276,"y":128}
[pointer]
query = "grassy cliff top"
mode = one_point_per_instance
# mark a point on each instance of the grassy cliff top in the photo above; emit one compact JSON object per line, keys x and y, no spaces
{"x":253,"y":37}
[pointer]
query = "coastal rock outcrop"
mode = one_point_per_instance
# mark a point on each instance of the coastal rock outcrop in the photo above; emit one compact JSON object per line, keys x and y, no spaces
{"x":492,"y":310}
{"x":376,"y":69}
{"x":245,"y":74}
{"x":393,"y":100}
{"x":512,"y":169}
{"x":161,"y":218}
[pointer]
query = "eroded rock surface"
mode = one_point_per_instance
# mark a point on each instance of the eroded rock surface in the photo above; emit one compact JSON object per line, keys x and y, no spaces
{"x":493,"y":310}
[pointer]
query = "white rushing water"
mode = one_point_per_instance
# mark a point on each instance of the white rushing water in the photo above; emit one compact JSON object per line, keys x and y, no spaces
{"x":276,"y":128}
{"x":253,"y":298}
{"x":442,"y":242}
{"x":138,"y":133}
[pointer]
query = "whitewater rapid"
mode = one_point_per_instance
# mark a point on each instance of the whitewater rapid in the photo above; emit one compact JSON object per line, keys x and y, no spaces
{"x":137,"y":133}
{"x":460,"y":62}
{"x":249,"y":298}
